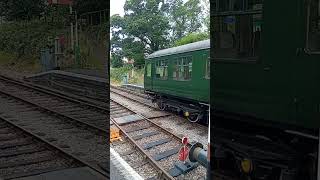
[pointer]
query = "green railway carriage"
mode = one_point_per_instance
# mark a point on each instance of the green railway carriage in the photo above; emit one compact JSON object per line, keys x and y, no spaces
{"x":272,"y":57}
{"x":180,"y":76}
{"x":266,"y":95}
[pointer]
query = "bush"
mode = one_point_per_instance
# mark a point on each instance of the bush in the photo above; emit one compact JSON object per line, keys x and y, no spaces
{"x":117,"y":74}
{"x":26,"y":38}
{"x":192,"y":37}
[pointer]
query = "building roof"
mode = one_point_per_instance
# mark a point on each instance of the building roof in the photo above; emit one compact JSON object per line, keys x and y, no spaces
{"x":205,"y":44}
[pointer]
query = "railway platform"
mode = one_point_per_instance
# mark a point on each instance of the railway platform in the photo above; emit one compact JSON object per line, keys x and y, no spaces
{"x":70,"y":74}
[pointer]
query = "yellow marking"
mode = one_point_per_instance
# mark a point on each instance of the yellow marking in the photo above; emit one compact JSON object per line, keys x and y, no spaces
{"x":114,"y":134}
{"x":246,"y":165}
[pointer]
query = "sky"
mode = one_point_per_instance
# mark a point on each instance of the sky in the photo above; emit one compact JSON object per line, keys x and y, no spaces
{"x":116,"y":7}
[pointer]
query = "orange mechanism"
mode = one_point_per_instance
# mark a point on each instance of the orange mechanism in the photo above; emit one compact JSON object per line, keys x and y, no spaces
{"x":114,"y":134}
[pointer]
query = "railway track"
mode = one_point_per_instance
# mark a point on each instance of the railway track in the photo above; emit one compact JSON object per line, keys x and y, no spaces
{"x":138,"y":97}
{"x":142,"y":99}
{"x":56,"y":103}
{"x":73,"y":125}
{"x":130,"y":91}
{"x":158,"y":145}
{"x":85,"y":88}
{"x":177,"y":124}
{"x":25,"y":154}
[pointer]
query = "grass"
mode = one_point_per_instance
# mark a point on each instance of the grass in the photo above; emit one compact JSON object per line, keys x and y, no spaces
{"x":5,"y":58}
{"x":27,"y":65}
{"x":117,"y":74}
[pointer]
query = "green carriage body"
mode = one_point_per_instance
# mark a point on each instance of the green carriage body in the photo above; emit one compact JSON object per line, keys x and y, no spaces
{"x":195,"y":88}
{"x":281,"y":84}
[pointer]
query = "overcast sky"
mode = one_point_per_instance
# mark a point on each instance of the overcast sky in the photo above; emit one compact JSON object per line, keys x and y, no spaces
{"x":116,"y":7}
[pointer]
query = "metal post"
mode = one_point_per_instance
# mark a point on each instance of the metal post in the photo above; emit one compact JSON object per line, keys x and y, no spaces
{"x":318,"y":172}
{"x":77,"y":40}
{"x":71,"y":25}
{"x":56,"y":51}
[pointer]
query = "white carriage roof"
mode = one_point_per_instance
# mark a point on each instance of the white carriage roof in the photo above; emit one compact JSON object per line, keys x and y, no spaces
{"x":205,"y":44}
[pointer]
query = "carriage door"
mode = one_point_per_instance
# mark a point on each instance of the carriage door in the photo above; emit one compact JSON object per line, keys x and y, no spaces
{"x":148,"y":83}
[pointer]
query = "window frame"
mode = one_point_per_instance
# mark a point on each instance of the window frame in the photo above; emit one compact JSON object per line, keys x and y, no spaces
{"x":182,"y":65}
{"x":164,"y":69}
{"x":147,"y":72}
{"x":245,"y":12}
{"x":308,"y":16}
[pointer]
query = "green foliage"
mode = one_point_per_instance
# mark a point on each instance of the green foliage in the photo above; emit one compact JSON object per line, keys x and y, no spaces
{"x":143,"y":29}
{"x":116,"y":61}
{"x":116,"y":74}
{"x":192,"y":37}
{"x":93,"y":44}
{"x":26,"y":38}
{"x":185,"y":17}
{"x":138,"y":77}
{"x":21,"y":9}
{"x":151,"y":25}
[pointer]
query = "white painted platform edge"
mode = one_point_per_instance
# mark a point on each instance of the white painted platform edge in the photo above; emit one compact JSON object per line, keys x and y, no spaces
{"x":122,"y":166}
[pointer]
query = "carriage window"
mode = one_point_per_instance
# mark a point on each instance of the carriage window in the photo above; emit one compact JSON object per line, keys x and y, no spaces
{"x":182,"y":69}
{"x":238,"y":29}
{"x":162,"y":69}
{"x":148,"y":69}
{"x":313,"y":40}
{"x":235,"y":5}
{"x":208,"y":68}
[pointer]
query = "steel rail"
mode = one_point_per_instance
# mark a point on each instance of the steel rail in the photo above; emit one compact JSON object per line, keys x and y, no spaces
{"x":97,"y":168}
{"x":49,"y":110}
{"x":169,"y":113}
{"x":60,"y":94}
{"x":137,"y":101}
{"x":93,"y":166}
{"x":131,"y":91}
{"x":163,"y":174}
{"x":151,"y":122}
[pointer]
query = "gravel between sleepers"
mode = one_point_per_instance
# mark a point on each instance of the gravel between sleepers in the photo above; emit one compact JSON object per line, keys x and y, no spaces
{"x":92,"y":146}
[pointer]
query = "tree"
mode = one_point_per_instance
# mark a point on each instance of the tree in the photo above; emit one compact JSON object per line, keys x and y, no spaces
{"x":146,"y":22}
{"x":151,"y":25}
{"x":192,"y":37}
{"x":185,"y":17}
{"x":21,"y":9}
{"x":206,"y":10}
{"x":116,"y":61}
{"x":143,"y":29}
